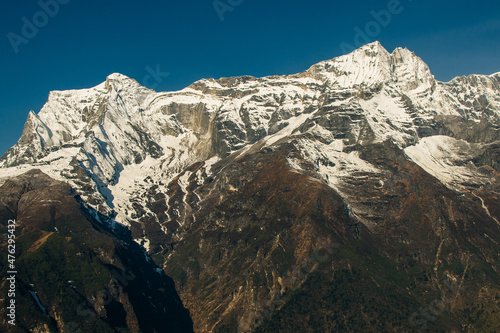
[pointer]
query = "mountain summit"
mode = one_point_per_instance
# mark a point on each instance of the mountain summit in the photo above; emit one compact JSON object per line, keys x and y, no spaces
{"x":232,"y":185}
{"x":372,"y":64}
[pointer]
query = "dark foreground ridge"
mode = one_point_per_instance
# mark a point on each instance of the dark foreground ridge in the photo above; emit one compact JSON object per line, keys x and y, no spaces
{"x":76,"y":274}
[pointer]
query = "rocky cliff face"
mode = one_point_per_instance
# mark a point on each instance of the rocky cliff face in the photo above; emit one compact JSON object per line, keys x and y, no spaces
{"x":346,"y":197}
{"x":74,"y":273}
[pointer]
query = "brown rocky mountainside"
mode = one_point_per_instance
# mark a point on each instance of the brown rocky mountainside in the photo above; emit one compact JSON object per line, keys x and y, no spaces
{"x":271,"y":249}
{"x":74,"y":273}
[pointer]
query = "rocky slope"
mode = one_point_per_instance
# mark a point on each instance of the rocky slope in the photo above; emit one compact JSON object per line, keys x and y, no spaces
{"x":358,"y":194}
{"x":74,"y":273}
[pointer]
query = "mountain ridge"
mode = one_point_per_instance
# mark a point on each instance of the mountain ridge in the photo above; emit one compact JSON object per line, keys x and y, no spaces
{"x":230,"y":185}
{"x":89,"y":136}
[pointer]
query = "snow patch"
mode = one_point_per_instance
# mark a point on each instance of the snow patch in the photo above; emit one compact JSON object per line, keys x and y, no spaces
{"x":332,"y":164}
{"x":449,"y":160}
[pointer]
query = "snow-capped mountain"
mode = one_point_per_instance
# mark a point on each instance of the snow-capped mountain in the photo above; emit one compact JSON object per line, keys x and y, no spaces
{"x":384,"y":148}
{"x":108,"y":139}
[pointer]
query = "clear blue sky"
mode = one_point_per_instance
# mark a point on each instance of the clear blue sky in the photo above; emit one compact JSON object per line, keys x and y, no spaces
{"x":84,"y":41}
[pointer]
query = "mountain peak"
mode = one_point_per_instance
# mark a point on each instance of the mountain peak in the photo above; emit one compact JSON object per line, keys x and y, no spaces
{"x":373,"y":64}
{"x":375,"y":46}
{"x":119,"y":82}
{"x":117,"y":77}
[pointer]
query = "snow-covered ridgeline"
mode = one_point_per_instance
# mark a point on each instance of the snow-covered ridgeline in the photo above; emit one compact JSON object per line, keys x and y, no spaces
{"x":120,"y":133}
